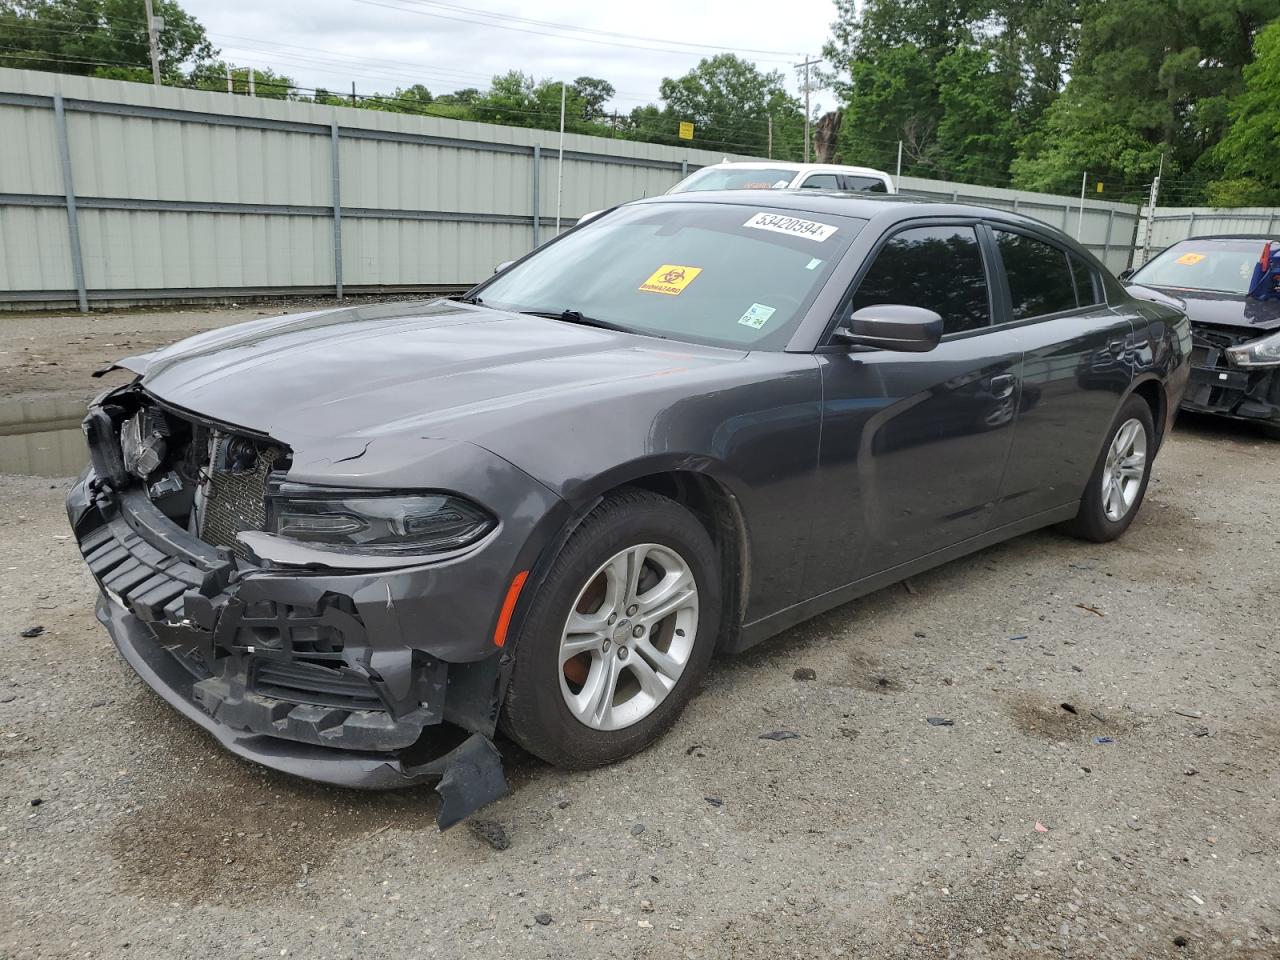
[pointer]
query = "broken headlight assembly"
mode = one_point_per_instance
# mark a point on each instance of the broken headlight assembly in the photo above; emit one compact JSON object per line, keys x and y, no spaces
{"x":1257,"y":353}
{"x":380,"y":523}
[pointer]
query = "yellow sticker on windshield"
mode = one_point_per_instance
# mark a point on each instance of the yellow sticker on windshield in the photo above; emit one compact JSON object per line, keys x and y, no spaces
{"x":1187,"y":259}
{"x":671,"y":279}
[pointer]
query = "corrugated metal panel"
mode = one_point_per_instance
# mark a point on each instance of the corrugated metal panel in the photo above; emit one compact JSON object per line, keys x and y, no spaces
{"x":28,"y":151}
{"x":144,"y":146}
{"x":404,"y":252}
{"x":33,"y":249}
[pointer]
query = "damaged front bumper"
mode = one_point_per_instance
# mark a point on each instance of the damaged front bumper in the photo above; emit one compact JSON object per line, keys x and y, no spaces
{"x":1220,"y":388}
{"x":365,"y":678}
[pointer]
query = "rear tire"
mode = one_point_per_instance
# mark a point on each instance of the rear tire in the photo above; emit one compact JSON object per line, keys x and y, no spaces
{"x":1119,"y":479}
{"x":617,"y":636}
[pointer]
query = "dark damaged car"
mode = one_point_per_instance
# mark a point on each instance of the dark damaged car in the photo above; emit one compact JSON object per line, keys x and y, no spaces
{"x":1230,"y":290}
{"x":353,"y":544}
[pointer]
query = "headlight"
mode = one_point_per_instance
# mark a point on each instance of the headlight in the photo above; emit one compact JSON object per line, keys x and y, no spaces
{"x":1257,"y":353}
{"x":416,"y":523}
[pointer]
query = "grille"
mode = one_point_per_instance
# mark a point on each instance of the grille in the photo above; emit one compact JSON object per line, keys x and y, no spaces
{"x":235,"y":500}
{"x":300,"y":682}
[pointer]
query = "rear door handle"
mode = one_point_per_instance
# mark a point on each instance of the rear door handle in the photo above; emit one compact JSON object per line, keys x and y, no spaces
{"x":1002,"y":385}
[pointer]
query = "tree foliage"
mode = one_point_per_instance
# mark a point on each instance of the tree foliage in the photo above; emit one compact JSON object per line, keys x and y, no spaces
{"x":1249,"y":153}
{"x":100,"y":38}
{"x":1151,"y":78}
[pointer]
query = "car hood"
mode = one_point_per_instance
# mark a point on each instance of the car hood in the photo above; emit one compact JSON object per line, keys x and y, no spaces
{"x":1222,"y":309}
{"x":426,"y":368}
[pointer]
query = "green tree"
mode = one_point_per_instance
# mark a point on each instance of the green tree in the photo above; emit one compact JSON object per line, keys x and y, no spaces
{"x":1249,"y":153}
{"x":978,"y":124}
{"x":100,"y":38}
{"x":730,"y":102}
{"x":1151,"y":78}
{"x":592,"y":94}
{"x":958,"y":82}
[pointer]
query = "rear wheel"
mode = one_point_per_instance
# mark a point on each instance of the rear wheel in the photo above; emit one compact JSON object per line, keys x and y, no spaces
{"x":618,"y":634}
{"x":1120,"y":477}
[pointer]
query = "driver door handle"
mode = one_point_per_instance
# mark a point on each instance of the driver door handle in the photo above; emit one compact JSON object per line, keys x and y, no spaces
{"x":1002,"y":385}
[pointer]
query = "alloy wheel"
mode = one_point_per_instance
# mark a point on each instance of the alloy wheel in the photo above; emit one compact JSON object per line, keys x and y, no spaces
{"x":628,"y":637}
{"x":1124,"y":469}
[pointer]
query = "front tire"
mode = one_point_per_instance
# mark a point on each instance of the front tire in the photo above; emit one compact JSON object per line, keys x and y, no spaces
{"x":618,"y":634}
{"x":1119,"y":480}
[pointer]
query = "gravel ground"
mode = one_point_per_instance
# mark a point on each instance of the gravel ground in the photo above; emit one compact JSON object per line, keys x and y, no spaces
{"x":1015,"y":832}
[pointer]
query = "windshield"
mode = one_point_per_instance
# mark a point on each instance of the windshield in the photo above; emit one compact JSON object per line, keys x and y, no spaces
{"x":1223,"y":266}
{"x":729,"y":275}
{"x":736,"y":178}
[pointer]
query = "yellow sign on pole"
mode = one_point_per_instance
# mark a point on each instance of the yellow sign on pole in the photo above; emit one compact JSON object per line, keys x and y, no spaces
{"x":686,"y":130}
{"x":1099,"y":186}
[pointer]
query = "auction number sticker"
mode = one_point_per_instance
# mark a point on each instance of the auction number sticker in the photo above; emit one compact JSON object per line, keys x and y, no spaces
{"x":1187,"y":259}
{"x":756,"y":315}
{"x":671,"y":279}
{"x":792,"y":226}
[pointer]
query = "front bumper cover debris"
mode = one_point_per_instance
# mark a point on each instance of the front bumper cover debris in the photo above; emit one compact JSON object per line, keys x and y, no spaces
{"x":1219,"y":388}
{"x":279,"y":668}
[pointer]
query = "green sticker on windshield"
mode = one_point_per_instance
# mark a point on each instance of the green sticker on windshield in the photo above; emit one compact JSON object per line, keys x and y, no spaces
{"x":756,"y":315}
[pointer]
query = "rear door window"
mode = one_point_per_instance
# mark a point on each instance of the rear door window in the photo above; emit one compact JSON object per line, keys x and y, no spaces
{"x":1086,"y":292}
{"x":820,"y":181}
{"x":939,"y":268}
{"x":864,"y":184}
{"x":1039,"y":275}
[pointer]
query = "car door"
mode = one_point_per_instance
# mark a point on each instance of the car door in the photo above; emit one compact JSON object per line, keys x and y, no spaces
{"x":914,"y":445}
{"x":1077,"y":364}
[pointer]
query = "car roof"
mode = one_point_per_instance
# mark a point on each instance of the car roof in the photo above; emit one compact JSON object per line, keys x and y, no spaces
{"x":840,"y":203}
{"x":795,"y":167}
{"x":1228,"y":236}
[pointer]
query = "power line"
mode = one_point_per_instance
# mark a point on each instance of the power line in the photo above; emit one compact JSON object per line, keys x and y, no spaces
{"x":531,"y":30}
{"x":576,"y":29}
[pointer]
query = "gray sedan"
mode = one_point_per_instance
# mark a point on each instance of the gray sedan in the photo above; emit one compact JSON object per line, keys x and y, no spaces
{"x":354,"y":544}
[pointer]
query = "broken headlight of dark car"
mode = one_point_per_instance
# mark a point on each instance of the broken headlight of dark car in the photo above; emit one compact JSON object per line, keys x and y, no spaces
{"x":1264,"y":352}
{"x":378,"y":523}
{"x":143,"y":440}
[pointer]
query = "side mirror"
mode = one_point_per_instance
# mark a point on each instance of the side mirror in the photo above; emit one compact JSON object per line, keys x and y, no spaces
{"x":892,"y":326}
{"x":503,"y":265}
{"x":1126,"y":273}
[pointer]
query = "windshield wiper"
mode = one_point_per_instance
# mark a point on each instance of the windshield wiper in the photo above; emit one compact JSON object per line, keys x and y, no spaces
{"x":576,"y":316}
{"x":475,"y":300}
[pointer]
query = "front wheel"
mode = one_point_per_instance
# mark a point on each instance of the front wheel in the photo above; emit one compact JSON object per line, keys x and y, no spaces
{"x":1119,"y":480}
{"x":618,"y":634}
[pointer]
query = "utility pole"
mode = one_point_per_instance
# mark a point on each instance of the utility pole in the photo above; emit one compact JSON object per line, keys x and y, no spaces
{"x":1151,"y":212}
{"x":353,"y":93}
{"x":771,"y":136}
{"x":1084,"y":179}
{"x":897,"y":173}
{"x":251,"y":93}
{"x":154,"y":42}
{"x":806,"y":65}
{"x":230,"y":85}
{"x":560,"y":162}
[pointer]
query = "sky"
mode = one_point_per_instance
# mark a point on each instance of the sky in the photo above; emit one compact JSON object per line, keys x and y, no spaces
{"x":450,"y":44}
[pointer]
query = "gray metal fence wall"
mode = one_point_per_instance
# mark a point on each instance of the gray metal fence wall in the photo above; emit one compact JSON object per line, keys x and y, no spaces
{"x":115,"y":192}
{"x":1167,"y":225}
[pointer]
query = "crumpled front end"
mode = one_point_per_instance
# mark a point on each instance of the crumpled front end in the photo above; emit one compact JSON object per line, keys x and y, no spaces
{"x":1217,"y":386}
{"x":375,"y":677}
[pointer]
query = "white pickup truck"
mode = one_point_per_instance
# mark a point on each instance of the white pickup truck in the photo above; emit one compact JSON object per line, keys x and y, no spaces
{"x":780,"y":175}
{"x":770,"y":175}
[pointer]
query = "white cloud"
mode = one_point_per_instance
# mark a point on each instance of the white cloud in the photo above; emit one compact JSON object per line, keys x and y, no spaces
{"x":382,"y":44}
